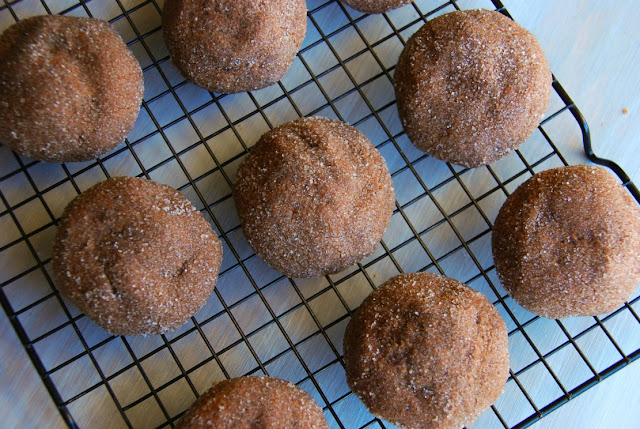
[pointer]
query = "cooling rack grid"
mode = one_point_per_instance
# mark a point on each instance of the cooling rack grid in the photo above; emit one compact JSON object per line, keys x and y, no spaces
{"x":258,"y":322}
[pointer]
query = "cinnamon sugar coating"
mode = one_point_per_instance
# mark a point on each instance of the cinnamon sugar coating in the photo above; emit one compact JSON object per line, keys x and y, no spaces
{"x":426,"y":351}
{"x":314,"y":196}
{"x":254,"y":402}
{"x":232,"y":46}
{"x":375,"y":6}
{"x":135,"y":256}
{"x":471,"y":86}
{"x":567,"y":243}
{"x":70,"y":89}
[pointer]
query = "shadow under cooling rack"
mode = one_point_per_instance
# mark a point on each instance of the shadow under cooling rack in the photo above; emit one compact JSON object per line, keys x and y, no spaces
{"x":258,"y":322}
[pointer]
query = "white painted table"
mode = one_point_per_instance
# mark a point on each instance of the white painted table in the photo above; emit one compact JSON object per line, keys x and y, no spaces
{"x":594,"y":50}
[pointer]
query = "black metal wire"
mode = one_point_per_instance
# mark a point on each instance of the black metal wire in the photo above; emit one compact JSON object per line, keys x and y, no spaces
{"x":391,"y":251}
{"x":588,"y":149}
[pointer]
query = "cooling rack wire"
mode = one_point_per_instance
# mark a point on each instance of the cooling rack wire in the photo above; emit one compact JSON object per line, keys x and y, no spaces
{"x":258,"y":322}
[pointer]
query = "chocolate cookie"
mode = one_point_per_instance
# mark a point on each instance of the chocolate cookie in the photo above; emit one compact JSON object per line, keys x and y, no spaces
{"x":254,"y":402}
{"x":375,"y":6}
{"x":135,"y":256}
{"x":314,"y":196}
{"x":70,"y":89}
{"x":234,"y":45}
{"x":426,"y":351}
{"x":471,"y":86}
{"x":567,"y":243}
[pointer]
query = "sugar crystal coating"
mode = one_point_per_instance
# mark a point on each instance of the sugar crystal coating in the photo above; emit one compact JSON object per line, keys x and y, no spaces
{"x":70,"y":89}
{"x":567,"y":243}
{"x":314,"y":196}
{"x":426,"y":351}
{"x":471,"y":86}
{"x":135,"y":256}
{"x":254,"y":402}
{"x":234,"y":45}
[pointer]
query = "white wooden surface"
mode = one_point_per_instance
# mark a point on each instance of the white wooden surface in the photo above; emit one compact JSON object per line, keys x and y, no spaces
{"x":594,"y":50}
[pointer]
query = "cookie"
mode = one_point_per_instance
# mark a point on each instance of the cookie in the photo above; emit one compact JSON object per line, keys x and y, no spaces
{"x":135,"y":256}
{"x":375,"y":6}
{"x":426,"y":351}
{"x":314,"y":197}
{"x":567,"y":243}
{"x":471,"y":87}
{"x":70,"y":89}
{"x":254,"y":402}
{"x":232,"y":46}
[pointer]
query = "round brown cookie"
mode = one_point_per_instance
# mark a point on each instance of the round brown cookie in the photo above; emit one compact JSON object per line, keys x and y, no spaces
{"x":70,"y":89}
{"x":471,"y":86}
{"x":567,"y":243}
{"x":234,"y":45}
{"x":314,"y":197}
{"x":135,"y":256}
{"x":426,"y":351}
{"x":375,"y":6}
{"x":254,"y":402}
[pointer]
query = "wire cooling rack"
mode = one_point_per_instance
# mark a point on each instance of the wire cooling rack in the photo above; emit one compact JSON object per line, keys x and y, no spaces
{"x":258,"y":322}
